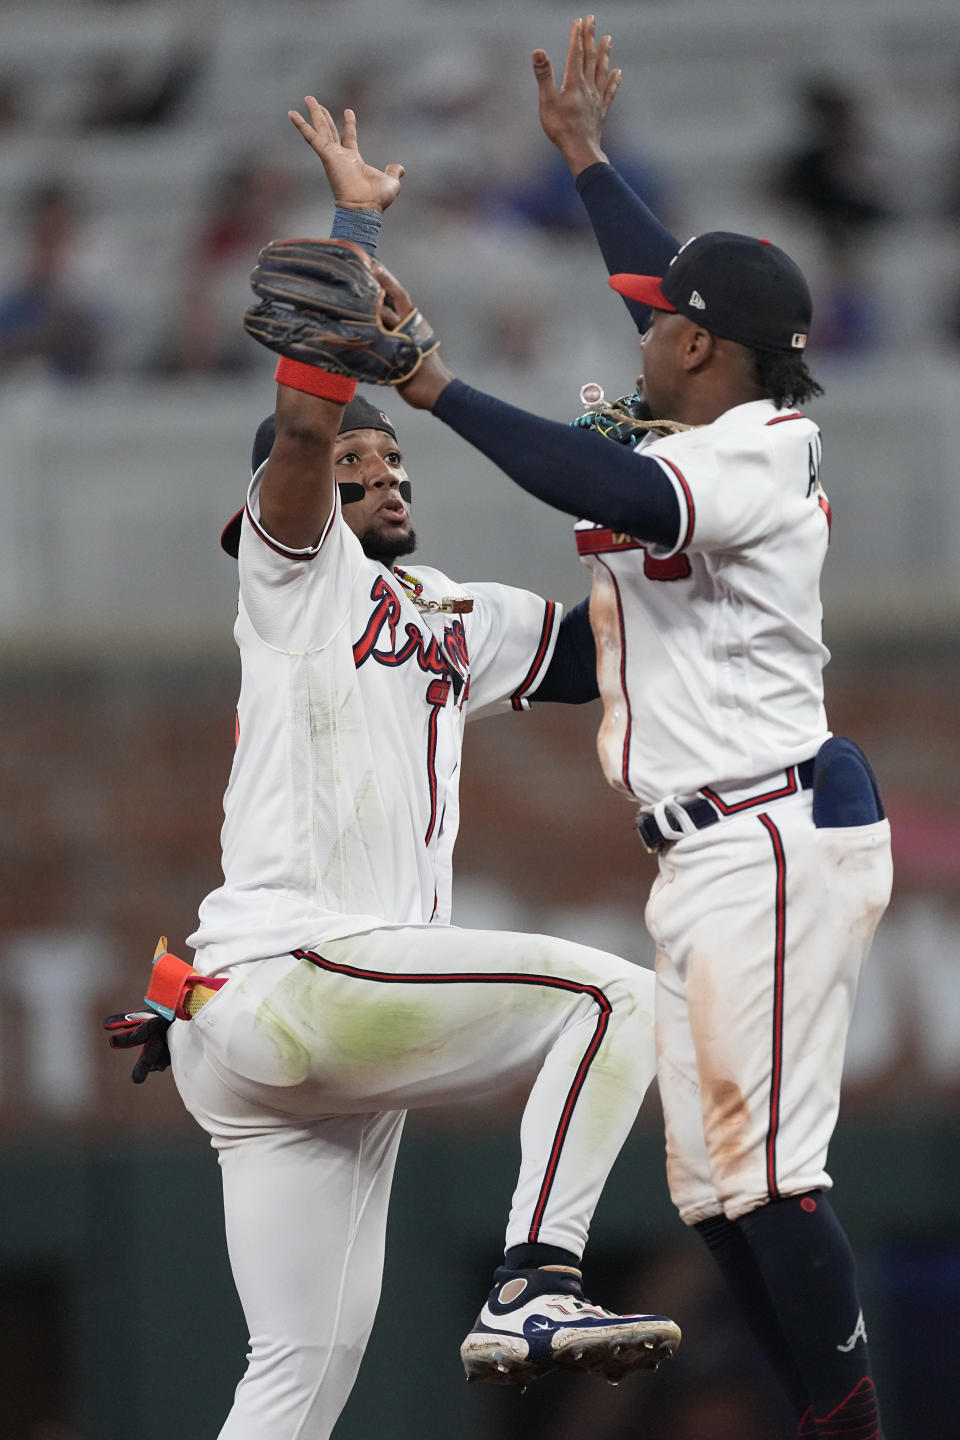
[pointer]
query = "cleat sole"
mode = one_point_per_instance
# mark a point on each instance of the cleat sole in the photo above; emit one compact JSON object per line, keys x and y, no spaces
{"x":504,"y":1361}
{"x":607,"y":1353}
{"x":611,"y":1355}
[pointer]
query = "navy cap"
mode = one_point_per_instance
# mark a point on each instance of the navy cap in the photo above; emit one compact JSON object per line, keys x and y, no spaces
{"x":358,"y":415}
{"x":736,"y":287}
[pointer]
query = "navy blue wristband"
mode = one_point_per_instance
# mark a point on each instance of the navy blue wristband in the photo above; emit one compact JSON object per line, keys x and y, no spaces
{"x":360,"y":226}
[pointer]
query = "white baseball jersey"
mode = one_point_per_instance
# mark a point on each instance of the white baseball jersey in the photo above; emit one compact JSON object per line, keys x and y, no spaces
{"x":349,"y":687}
{"x":347,"y":999}
{"x":716,"y":676}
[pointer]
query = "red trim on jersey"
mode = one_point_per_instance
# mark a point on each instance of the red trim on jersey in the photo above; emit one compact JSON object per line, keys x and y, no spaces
{"x":779,"y":978}
{"x":549,"y":617}
{"x":824,"y":504}
{"x":549,"y":982}
{"x":602,"y":542}
{"x":779,"y":419}
{"x":573,"y":1094}
{"x":789,"y":789}
{"x":437,"y":692}
{"x":432,"y":770}
{"x":688,"y":496}
{"x":282,"y":549}
{"x":608,"y":542}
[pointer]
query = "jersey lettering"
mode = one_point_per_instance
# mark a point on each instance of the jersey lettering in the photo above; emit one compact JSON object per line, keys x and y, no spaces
{"x":674,"y":567}
{"x":449,"y":662}
{"x":379,"y":639}
{"x":813,"y":468}
{"x":814,"y":488}
{"x":600,"y":541}
{"x":606,"y":542}
{"x":455,"y":647}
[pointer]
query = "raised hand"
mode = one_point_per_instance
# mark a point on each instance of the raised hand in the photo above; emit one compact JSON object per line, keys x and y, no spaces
{"x":355,"y":184}
{"x":573,"y":115}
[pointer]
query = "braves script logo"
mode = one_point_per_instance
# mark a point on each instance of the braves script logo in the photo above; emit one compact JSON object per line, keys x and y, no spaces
{"x":381,"y":642}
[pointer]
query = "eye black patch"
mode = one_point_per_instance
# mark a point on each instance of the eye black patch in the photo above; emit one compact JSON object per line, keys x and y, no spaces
{"x":350,"y":491}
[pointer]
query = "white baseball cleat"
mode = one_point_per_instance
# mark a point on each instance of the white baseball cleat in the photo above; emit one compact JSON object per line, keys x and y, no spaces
{"x":535,"y":1321}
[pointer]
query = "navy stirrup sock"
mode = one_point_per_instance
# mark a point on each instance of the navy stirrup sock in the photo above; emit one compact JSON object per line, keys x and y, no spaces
{"x":807,"y":1264}
{"x":531,"y":1257}
{"x":734,"y":1258}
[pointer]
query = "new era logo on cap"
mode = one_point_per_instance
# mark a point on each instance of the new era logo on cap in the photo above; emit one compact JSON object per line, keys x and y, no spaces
{"x":736,"y":286}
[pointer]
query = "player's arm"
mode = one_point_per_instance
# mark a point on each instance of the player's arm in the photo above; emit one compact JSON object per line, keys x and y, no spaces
{"x":573,"y":470}
{"x":361,"y":192}
{"x":571,"y":676}
{"x":297,"y":491}
{"x":297,"y":488}
{"x":630,"y":236}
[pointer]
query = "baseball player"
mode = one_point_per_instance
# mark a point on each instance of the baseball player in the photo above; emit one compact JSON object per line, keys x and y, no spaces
{"x":329,"y":991}
{"x":705,"y":546}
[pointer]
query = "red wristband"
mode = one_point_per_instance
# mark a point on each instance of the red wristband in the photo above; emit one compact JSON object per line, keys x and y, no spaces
{"x":314,"y":381}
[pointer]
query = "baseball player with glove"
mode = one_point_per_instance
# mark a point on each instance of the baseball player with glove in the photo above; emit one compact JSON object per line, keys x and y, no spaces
{"x":329,"y":991}
{"x":705,"y":544}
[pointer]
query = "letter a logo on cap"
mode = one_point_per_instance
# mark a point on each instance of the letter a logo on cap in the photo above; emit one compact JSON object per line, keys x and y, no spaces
{"x":697,"y":300}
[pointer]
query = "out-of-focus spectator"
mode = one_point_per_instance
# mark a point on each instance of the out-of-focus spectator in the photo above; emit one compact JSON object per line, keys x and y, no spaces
{"x":44,"y":320}
{"x":845,"y":317}
{"x":833,"y":179}
{"x":11,"y":104}
{"x":123,"y":96}
{"x":548,"y":200}
{"x":832,"y":175}
{"x":245,"y":210}
{"x":949,"y":208}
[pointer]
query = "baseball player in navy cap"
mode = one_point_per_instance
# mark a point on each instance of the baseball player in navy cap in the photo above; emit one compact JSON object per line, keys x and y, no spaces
{"x":705,"y":543}
{"x":329,"y":991}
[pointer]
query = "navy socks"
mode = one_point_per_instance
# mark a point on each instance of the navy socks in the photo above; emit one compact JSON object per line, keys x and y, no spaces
{"x":531,"y":1257}
{"x":729,"y":1248}
{"x":804,"y":1258}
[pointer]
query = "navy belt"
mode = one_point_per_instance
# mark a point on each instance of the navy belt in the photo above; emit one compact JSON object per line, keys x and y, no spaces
{"x":708,"y":807}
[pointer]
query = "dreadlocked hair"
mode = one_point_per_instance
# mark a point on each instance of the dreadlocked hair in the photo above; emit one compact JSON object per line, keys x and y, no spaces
{"x":784,"y":377}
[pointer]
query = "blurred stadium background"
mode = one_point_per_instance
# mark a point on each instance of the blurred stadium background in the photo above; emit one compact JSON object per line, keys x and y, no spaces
{"x":145,"y":154}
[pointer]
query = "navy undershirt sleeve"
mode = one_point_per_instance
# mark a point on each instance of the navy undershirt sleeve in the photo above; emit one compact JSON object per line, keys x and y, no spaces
{"x":576,"y":471}
{"x":630,"y":236}
{"x":571,"y":676}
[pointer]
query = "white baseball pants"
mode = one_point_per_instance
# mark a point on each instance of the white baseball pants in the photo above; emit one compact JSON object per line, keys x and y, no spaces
{"x":762,"y":924}
{"x":300,"y":1070}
